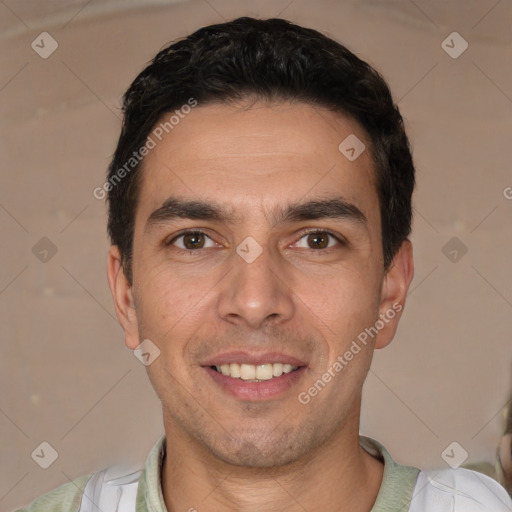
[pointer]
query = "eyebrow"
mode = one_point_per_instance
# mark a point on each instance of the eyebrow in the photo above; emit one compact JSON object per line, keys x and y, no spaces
{"x":334,"y":208}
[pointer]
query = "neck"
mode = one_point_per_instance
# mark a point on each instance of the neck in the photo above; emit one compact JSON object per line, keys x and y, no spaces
{"x":340,"y":475}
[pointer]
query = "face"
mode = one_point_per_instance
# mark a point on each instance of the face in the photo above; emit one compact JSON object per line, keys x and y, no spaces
{"x":257,"y":261}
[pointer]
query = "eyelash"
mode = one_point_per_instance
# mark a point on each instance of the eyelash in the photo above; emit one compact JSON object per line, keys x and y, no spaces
{"x":192,"y":252}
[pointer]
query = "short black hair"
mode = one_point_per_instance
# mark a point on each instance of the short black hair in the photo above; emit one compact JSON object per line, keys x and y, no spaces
{"x":271,"y":59}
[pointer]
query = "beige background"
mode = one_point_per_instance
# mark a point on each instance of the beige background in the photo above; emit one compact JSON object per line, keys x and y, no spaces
{"x":66,"y":377}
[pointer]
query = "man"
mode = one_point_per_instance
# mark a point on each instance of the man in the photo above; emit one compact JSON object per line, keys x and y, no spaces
{"x":259,"y":212}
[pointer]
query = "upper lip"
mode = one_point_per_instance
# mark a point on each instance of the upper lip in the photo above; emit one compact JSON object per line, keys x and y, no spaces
{"x":254,"y":358}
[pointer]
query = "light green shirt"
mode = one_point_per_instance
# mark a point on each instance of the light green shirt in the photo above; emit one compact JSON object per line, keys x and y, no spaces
{"x":395,"y":493}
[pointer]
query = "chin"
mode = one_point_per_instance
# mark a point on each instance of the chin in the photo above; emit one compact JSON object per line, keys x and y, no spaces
{"x":259,"y":452}
{"x":250,"y":456}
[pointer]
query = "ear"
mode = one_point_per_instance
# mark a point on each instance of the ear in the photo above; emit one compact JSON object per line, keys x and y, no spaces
{"x":123,"y":298}
{"x":393,"y":293}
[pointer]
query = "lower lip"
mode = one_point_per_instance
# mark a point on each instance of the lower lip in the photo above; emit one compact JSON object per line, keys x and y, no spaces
{"x":256,"y":391}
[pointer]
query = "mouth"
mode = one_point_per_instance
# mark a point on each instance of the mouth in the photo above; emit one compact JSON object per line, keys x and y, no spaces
{"x":254,"y":372}
{"x":255,"y":377}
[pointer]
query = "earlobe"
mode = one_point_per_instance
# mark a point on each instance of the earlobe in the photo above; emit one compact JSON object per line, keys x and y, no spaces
{"x":394,"y":292}
{"x":122,"y":295}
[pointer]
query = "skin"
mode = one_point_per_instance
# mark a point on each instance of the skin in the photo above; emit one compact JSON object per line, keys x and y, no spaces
{"x":274,"y":454}
{"x":505,"y":458}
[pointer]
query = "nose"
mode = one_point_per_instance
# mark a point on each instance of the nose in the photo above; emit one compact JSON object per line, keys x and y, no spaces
{"x":256,"y":293}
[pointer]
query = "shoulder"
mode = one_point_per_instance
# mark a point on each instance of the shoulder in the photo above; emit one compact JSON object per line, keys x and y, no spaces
{"x":65,"y":498}
{"x":458,"y":490}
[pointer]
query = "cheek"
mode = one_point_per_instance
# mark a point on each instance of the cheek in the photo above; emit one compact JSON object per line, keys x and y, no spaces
{"x":174,"y":310}
{"x":343,"y":305}
{"x":342,"y":294}
{"x":162,"y":302}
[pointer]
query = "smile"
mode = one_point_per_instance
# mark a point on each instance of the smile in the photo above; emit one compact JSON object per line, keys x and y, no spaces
{"x":254,"y":372}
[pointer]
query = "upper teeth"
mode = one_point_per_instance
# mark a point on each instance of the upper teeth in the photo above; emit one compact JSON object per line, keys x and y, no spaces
{"x":255,"y":372}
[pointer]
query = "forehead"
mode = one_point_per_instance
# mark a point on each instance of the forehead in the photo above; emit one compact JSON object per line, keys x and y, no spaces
{"x":258,"y":155}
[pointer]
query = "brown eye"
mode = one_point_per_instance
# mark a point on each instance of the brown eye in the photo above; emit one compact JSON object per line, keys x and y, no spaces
{"x":192,"y":240}
{"x":318,"y":240}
